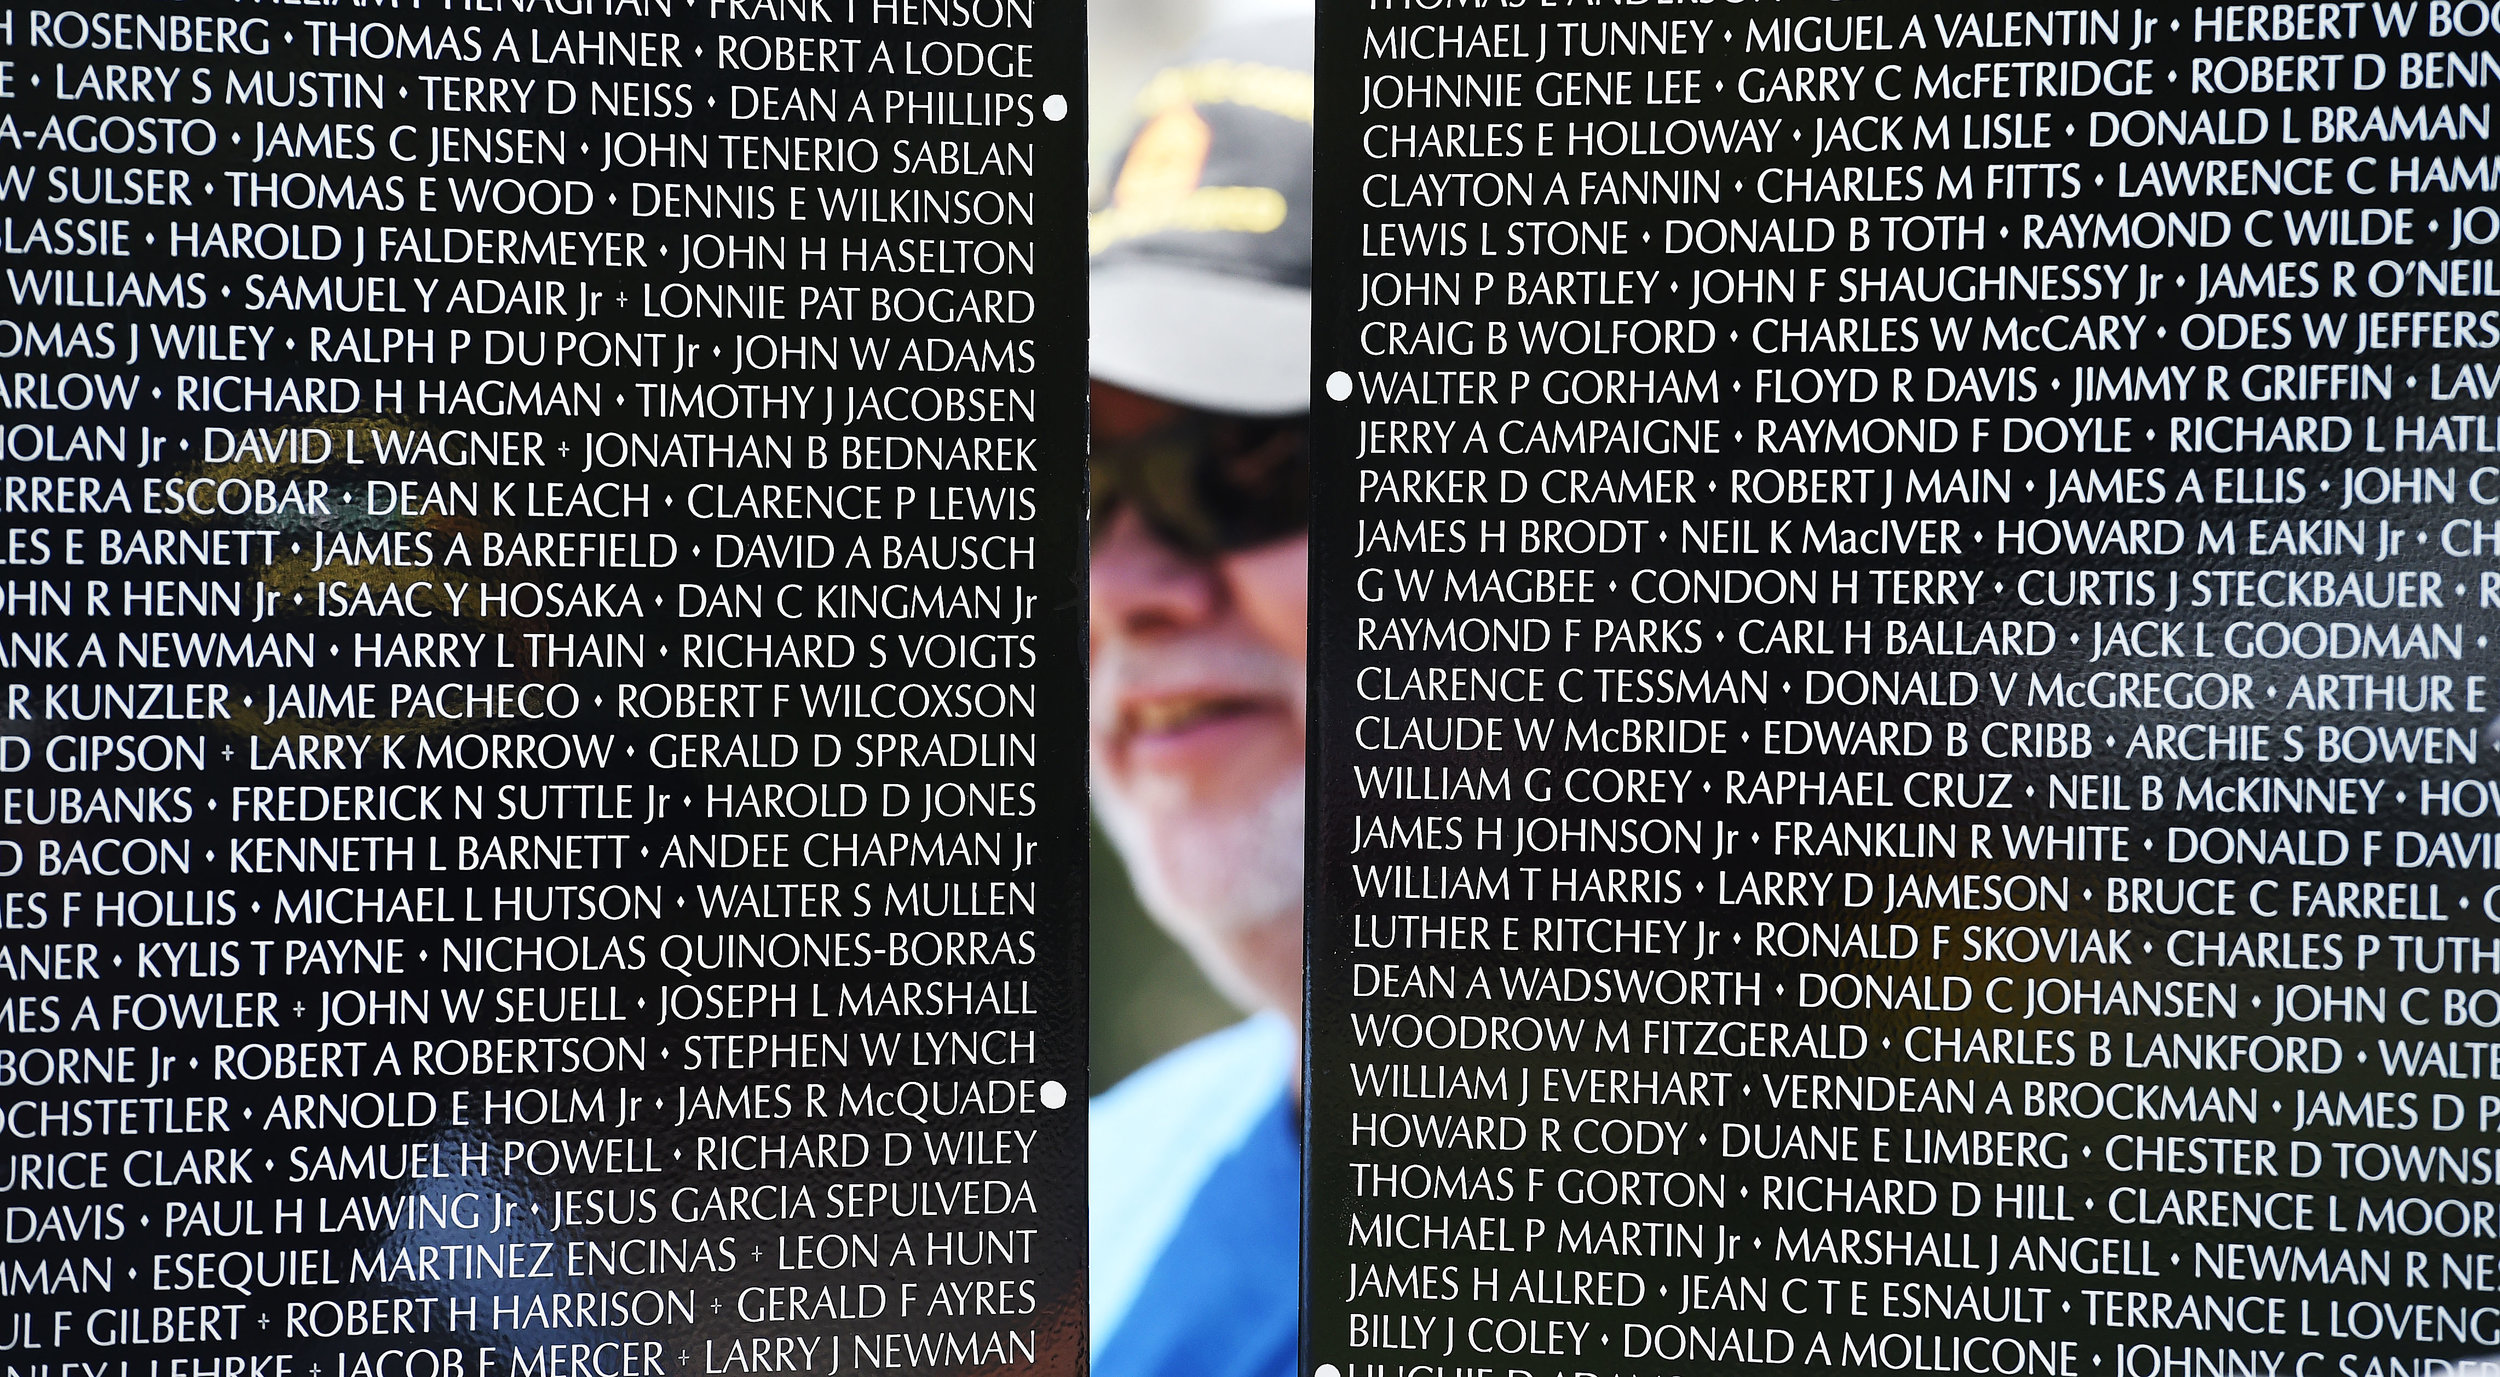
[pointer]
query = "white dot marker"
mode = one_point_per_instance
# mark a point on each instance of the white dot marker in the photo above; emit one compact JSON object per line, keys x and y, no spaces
{"x":1324,"y":1370}
{"x":1340,"y":386}
{"x":1054,"y":108}
{"x":1053,"y":1094}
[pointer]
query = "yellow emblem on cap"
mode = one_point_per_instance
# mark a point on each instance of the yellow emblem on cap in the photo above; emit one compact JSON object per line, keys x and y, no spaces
{"x":1158,"y":188}
{"x":1165,"y":161}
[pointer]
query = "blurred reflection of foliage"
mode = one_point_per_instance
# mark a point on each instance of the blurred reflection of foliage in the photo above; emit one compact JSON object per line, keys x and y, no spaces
{"x":1148,"y":996}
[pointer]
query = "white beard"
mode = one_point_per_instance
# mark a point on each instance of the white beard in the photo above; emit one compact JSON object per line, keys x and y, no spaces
{"x":1210,"y":881}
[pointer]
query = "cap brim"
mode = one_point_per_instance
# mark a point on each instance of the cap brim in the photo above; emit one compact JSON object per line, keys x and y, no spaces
{"x":1202,"y":339}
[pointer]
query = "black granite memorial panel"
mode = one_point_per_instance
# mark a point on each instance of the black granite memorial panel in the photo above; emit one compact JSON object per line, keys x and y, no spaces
{"x":538,"y":531}
{"x":1905,"y":691}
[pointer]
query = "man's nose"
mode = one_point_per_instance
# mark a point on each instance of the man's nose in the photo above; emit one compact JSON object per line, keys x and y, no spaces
{"x":1143,"y":587}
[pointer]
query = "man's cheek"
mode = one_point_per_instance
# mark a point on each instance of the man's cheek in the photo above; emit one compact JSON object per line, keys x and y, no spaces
{"x":1272,"y":585}
{"x":1109,"y":770}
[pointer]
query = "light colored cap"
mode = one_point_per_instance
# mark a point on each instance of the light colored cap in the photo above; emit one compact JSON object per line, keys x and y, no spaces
{"x":1200,"y":252}
{"x":1215,"y":342}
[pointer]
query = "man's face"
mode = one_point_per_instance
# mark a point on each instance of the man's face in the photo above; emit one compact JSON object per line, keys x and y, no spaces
{"x":1197,"y":687}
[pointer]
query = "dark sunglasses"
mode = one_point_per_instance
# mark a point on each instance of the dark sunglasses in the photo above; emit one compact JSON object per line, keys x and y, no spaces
{"x":1208,"y":484}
